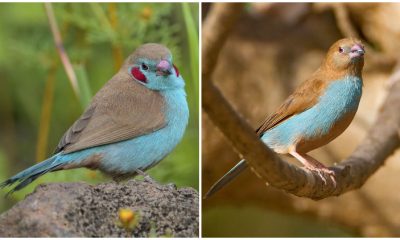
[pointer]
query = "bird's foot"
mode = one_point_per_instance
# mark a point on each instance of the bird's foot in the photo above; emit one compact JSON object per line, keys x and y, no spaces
{"x":146,"y":176}
{"x":320,"y":170}
{"x":315,"y":166}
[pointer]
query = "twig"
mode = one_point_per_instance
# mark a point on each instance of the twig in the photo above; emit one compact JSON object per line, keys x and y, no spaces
{"x":343,"y":20}
{"x":116,"y":47}
{"x":376,"y":59}
{"x":352,"y":173}
{"x":45,"y":116}
{"x":223,"y":17}
{"x":60,"y":49}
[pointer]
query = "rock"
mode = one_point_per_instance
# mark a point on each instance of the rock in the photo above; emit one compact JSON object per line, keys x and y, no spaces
{"x":83,"y":210}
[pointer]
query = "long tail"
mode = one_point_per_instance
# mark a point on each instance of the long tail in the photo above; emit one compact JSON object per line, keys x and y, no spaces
{"x":29,"y":175}
{"x":227,"y":178}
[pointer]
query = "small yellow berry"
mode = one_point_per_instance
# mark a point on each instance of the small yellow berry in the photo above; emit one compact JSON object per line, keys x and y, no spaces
{"x":126,"y":216}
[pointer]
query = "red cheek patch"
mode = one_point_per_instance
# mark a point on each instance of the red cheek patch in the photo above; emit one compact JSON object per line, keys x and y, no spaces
{"x":138,"y":75}
{"x":176,"y":70}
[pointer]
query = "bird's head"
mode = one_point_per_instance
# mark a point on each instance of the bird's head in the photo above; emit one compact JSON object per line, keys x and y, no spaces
{"x":151,"y":65}
{"x":346,"y":55}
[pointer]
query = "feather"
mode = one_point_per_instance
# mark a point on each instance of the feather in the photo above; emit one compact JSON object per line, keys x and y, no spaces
{"x":287,"y":127}
{"x":334,"y":67}
{"x":305,"y":96}
{"x":107,"y":121}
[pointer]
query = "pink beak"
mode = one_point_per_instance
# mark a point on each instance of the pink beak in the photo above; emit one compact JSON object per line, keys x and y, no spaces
{"x":357,"y":51}
{"x":163,"y":68}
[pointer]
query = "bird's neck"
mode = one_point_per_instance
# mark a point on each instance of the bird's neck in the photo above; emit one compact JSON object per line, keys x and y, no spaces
{"x":329,"y":74}
{"x":177,"y":110}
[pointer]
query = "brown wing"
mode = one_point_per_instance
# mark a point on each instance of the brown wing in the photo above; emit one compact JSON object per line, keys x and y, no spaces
{"x":121,"y":110}
{"x":304,"y":97}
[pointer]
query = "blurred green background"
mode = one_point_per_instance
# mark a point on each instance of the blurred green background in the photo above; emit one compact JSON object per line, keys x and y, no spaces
{"x":37,"y":102}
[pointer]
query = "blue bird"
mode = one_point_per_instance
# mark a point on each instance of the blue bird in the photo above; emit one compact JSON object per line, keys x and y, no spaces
{"x":317,"y":112}
{"x":134,"y":121}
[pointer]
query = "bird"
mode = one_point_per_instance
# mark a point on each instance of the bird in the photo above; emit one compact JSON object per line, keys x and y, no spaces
{"x":318,"y":111}
{"x":134,"y":121}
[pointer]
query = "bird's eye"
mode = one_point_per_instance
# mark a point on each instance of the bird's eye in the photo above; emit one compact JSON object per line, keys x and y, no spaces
{"x":341,"y":49}
{"x":145,"y":67}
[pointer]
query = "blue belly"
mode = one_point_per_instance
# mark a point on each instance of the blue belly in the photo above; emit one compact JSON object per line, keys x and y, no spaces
{"x":340,"y":99}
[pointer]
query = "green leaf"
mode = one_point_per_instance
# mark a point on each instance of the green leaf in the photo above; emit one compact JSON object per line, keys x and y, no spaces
{"x":193,"y":40}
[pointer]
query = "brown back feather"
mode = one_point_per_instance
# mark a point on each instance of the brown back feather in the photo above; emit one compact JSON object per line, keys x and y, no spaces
{"x":121,"y":110}
{"x":308,"y":93}
{"x":304,"y":97}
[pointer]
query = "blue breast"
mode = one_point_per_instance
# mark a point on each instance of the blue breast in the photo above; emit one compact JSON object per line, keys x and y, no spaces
{"x":144,"y":151}
{"x":341,"y":98}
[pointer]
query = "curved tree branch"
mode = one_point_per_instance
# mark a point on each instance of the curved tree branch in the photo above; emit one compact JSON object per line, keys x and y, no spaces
{"x":343,"y":20}
{"x":346,"y":27}
{"x":381,"y":141}
{"x":218,"y":24}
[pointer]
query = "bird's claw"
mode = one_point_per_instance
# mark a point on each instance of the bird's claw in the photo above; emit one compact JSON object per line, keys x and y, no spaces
{"x":146,"y":176}
{"x":149,"y":179}
{"x":321,"y":170}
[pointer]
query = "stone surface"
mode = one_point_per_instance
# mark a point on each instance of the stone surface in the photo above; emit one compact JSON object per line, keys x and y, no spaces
{"x":83,"y":210}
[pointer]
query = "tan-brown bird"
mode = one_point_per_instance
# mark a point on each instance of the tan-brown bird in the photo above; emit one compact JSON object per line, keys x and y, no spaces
{"x":317,"y":112}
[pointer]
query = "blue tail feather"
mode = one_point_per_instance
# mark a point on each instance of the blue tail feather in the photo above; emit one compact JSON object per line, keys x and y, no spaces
{"x":29,"y":175}
{"x":227,"y":178}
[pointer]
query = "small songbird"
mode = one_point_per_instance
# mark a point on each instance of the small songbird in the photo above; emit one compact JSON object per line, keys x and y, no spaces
{"x":319,"y":110}
{"x":134,"y":121}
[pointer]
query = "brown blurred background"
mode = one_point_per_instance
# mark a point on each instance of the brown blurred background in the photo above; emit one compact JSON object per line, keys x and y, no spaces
{"x":273,"y":48}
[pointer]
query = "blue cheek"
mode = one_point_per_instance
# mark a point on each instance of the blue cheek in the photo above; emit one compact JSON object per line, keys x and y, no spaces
{"x":169,"y":82}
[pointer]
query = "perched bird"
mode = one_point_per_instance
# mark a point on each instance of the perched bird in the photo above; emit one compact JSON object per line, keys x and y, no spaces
{"x":319,"y":110}
{"x":134,"y":121}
